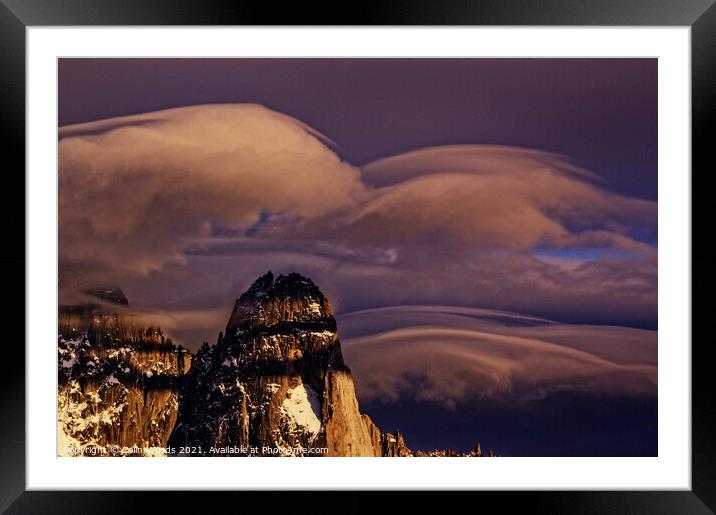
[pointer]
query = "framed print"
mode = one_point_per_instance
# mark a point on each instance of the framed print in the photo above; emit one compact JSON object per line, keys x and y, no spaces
{"x":427,"y":248}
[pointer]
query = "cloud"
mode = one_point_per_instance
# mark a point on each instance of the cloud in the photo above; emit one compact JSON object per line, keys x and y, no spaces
{"x":187,"y":327}
{"x":494,"y":197}
{"x":135,"y":191}
{"x":448,"y":355}
{"x":469,"y":159}
{"x":183,"y":208}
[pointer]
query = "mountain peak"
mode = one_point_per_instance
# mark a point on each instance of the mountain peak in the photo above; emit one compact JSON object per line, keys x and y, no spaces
{"x":276,"y":379}
{"x":286,"y":299}
{"x":260,"y":286}
{"x":285,"y":285}
{"x":294,"y":285}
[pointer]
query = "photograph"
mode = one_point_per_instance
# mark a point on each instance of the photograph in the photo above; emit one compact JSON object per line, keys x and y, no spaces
{"x":357,"y":257}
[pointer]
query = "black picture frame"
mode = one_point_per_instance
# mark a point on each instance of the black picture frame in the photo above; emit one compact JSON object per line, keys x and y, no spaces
{"x":17,"y":15}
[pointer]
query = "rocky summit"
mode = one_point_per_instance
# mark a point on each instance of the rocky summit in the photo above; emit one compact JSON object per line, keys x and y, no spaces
{"x":118,"y":381}
{"x":274,"y":384}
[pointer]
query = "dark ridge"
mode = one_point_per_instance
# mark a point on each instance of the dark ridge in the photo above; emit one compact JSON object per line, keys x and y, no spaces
{"x":120,"y":366}
{"x":107,"y":300}
{"x":132,"y":379}
{"x":294,"y":284}
{"x":291,"y":285}
{"x":113,"y":333}
{"x":258,"y":289}
{"x":319,"y":363}
{"x":290,"y":328}
{"x":109,"y":294}
{"x":316,"y":360}
{"x":128,"y":380}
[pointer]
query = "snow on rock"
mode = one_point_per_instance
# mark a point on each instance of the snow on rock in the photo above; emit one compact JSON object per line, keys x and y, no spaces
{"x":304,"y":408}
{"x":326,"y":335}
{"x":314,"y":308}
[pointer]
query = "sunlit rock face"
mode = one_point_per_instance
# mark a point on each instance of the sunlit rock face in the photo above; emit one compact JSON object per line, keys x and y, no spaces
{"x":275,"y":381}
{"x":275,"y":384}
{"x":118,"y":381}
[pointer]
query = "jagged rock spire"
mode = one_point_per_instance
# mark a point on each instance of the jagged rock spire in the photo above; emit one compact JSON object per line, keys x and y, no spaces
{"x":277,"y":379}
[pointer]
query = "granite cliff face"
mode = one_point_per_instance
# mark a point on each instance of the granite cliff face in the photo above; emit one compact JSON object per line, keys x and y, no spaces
{"x":118,"y":381}
{"x":276,"y":381}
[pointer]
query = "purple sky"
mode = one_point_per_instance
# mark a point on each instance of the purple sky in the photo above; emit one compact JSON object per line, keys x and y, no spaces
{"x":600,"y":112}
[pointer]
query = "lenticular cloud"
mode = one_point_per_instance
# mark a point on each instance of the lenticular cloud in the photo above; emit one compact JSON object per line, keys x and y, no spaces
{"x":199,"y":200}
{"x":135,"y":191}
{"x":446,"y":355}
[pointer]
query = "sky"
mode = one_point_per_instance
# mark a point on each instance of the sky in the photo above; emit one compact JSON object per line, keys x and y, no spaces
{"x":486,"y":229}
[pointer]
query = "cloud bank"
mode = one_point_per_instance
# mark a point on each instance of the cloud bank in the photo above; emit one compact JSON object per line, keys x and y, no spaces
{"x":185,"y":207}
{"x":447,"y":355}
